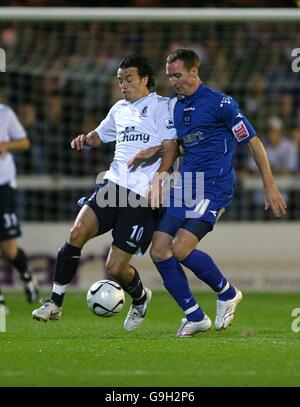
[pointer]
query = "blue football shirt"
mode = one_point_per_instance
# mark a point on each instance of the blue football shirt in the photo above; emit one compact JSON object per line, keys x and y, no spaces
{"x":209,"y":125}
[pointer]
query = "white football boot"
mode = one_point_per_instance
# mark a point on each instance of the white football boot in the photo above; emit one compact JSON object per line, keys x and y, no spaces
{"x":136,"y":313}
{"x":189,"y":328}
{"x":226,"y":310}
{"x":48,"y":311}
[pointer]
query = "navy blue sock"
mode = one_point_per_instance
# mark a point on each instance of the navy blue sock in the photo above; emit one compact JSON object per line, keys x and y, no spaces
{"x":135,"y":288}
{"x":176,"y":283}
{"x":227,"y":294}
{"x":203,"y":266}
{"x":67,"y":262}
{"x":20,"y":264}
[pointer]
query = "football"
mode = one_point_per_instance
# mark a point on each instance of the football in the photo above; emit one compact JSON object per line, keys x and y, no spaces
{"x":105,"y":298}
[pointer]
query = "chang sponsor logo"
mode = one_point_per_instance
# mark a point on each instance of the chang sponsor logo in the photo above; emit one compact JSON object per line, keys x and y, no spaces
{"x":130,"y":134}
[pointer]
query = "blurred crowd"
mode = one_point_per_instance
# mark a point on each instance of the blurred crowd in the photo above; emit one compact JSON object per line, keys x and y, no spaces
{"x":61,"y":80}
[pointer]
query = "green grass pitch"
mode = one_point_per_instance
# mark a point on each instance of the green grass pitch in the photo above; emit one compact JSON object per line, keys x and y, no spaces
{"x":259,"y":349}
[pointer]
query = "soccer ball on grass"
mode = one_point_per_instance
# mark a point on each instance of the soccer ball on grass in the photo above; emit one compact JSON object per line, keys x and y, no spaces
{"x":105,"y":298}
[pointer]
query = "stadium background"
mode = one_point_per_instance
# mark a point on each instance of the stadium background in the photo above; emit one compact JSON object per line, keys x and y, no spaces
{"x":60,"y":79}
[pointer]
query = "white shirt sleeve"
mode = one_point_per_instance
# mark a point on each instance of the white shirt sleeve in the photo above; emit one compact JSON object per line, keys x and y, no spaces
{"x":15,"y":129}
{"x":107,"y":128}
{"x":164,"y":120}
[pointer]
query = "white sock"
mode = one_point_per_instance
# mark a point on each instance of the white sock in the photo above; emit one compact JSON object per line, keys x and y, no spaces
{"x":59,"y":288}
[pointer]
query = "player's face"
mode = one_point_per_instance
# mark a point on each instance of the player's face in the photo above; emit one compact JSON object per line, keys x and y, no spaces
{"x":132,"y":86}
{"x":185,"y":81}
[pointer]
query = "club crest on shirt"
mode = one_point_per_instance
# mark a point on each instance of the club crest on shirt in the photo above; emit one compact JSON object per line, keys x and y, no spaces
{"x":187,"y":119}
{"x":144,"y":111}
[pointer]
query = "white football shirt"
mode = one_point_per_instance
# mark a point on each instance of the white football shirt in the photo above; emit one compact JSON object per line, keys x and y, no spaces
{"x":10,"y":129}
{"x":135,"y":126}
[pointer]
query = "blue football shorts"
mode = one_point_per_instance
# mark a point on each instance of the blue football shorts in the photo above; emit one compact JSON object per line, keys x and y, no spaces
{"x":198,"y":219}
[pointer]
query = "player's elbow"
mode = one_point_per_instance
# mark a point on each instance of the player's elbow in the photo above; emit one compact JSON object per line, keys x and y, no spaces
{"x":169,"y":144}
{"x":253,"y":142}
{"x":26,"y":144}
{"x":170,"y":150}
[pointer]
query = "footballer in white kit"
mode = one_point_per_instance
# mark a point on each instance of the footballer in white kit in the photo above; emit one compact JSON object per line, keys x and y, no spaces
{"x":12,"y":138}
{"x":141,"y":120}
{"x":133,"y":126}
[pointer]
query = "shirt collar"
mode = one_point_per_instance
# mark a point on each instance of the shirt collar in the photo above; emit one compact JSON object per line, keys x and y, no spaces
{"x":199,"y":92}
{"x":136,"y":102}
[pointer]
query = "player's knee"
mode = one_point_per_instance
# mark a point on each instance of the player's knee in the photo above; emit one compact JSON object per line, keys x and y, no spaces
{"x":78,"y":235}
{"x":179,"y":250}
{"x":160,"y":253}
{"x":8,"y":251}
{"x":9,"y":254}
{"x":155,"y":253}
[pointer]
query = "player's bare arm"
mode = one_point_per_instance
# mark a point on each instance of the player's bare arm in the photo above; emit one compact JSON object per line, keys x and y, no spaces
{"x":146,"y":154}
{"x":273,"y":198}
{"x":91,"y":140}
{"x":169,"y":155}
{"x":14,"y":145}
{"x":149,"y":153}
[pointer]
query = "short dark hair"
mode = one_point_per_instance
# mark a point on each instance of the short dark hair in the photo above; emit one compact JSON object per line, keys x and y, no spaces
{"x":189,"y":58}
{"x":142,"y":65}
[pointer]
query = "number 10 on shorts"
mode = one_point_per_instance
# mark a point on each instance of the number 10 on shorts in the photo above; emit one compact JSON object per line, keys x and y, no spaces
{"x":137,"y":233}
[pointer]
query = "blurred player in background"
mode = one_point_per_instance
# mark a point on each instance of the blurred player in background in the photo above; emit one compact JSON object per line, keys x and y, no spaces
{"x":209,"y":125}
{"x":12,"y":138}
{"x":140,"y":119}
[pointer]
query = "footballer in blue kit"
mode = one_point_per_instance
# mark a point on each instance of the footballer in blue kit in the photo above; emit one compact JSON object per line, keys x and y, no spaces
{"x":209,"y":126}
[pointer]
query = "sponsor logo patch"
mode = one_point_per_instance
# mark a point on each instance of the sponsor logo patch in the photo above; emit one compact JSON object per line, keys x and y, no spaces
{"x":240,"y":131}
{"x":169,"y":124}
